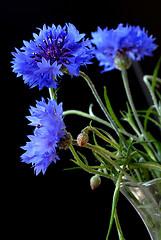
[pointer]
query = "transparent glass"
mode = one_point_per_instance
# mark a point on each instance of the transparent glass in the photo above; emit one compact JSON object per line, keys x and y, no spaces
{"x":146,"y":199}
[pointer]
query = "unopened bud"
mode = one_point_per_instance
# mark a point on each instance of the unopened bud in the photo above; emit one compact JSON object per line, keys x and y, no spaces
{"x":64,"y":69}
{"x":122,"y":61}
{"x":95,"y":181}
{"x":82,"y":139}
{"x":66,"y":141}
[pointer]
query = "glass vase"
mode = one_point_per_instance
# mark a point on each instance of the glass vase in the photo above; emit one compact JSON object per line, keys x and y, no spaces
{"x":146,"y":199}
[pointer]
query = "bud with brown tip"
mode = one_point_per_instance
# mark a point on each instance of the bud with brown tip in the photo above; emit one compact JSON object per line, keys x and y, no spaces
{"x":82,"y":139}
{"x":65,"y":142}
{"x":95,"y":181}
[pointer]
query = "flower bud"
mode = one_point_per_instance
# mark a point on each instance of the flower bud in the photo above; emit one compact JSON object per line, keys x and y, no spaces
{"x":64,"y":69}
{"x":82,"y":139}
{"x":65,"y":142}
{"x":95,"y":181}
{"x":122,"y":61}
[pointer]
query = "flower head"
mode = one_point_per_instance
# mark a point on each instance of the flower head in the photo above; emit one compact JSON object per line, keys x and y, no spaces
{"x":130,"y":40}
{"x":41,"y":60}
{"x":47,"y":118}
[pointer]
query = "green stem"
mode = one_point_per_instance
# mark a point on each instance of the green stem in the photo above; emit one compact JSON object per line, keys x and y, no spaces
{"x":129,"y":96}
{"x":146,"y":78}
{"x":85,"y":167}
{"x":114,"y":205}
{"x":120,"y":233}
{"x":97,"y":119}
{"x":86,"y":115}
{"x":92,"y":87}
{"x":51,"y":92}
{"x":103,"y":153}
{"x":155,"y":166}
{"x":113,"y":143}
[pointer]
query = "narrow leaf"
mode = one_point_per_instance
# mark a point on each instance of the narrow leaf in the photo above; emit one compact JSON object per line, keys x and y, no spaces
{"x":73,"y":168}
{"x":114,"y":203}
{"x":155,"y":74}
{"x":84,"y":158}
{"x":148,"y":112}
{"x":109,"y":107}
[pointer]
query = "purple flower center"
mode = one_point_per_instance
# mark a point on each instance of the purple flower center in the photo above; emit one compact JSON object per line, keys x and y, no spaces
{"x":53,"y":50}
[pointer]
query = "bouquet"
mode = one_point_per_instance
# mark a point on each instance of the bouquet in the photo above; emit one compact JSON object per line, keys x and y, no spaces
{"x":129,"y":155}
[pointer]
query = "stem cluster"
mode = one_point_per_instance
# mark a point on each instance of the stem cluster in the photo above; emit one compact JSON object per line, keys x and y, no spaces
{"x":130,"y":157}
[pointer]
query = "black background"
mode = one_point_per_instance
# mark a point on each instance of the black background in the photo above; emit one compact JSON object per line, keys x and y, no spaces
{"x":60,"y":204}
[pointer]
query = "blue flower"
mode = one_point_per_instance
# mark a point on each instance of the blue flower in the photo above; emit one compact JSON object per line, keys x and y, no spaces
{"x":130,"y":40}
{"x":43,"y":59}
{"x":47,"y":118}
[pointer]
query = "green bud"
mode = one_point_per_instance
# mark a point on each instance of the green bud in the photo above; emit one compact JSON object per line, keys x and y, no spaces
{"x":95,"y":181}
{"x":122,"y":61}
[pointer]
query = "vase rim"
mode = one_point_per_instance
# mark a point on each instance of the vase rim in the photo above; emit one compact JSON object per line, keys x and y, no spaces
{"x":144,"y":184}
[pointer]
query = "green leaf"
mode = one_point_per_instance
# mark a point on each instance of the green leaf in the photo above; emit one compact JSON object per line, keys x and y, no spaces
{"x":147,"y":156}
{"x":158,"y":93}
{"x":120,"y":233}
{"x":129,"y":118}
{"x":110,"y":139}
{"x":148,"y":112}
{"x":73,"y":168}
{"x":72,"y":160}
{"x":154,"y":81}
{"x":106,"y":133}
{"x":94,"y":138}
{"x":150,"y":119}
{"x":109,"y":107}
{"x":157,"y":144}
{"x":84,"y":158}
{"x":114,"y":205}
{"x":148,"y":165}
{"x":104,"y":164}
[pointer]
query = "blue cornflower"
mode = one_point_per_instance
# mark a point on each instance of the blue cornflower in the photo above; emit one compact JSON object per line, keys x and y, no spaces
{"x":43,"y":59}
{"x":47,"y":118}
{"x":130,"y":41}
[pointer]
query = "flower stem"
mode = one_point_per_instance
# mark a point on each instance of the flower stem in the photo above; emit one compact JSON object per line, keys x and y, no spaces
{"x":94,"y":91}
{"x":83,"y":166}
{"x":86,"y":115}
{"x":114,"y":206}
{"x":146,"y":78}
{"x":129,"y":96}
{"x":93,"y":117}
{"x":104,"y":153}
{"x":120,"y":233}
{"x":51,"y":92}
{"x":112,"y":142}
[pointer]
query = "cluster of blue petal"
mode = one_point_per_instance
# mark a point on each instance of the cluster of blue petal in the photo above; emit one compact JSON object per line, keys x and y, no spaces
{"x":47,"y":118}
{"x":130,"y":40}
{"x":40,"y":61}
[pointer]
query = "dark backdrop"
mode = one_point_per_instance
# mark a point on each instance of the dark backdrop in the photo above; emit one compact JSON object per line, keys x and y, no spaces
{"x":60,"y":204}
